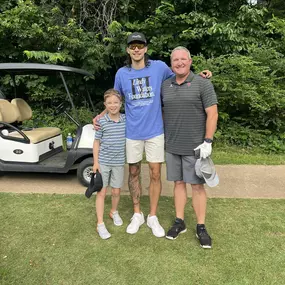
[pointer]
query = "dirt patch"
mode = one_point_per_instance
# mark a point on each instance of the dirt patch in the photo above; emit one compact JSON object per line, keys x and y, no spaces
{"x":236,"y":181}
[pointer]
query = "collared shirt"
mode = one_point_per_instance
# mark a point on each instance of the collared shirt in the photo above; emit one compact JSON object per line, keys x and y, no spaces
{"x":112,"y":140}
{"x":184,"y":112}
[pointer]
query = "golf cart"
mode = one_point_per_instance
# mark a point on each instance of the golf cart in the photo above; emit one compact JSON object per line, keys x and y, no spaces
{"x":41,"y":149}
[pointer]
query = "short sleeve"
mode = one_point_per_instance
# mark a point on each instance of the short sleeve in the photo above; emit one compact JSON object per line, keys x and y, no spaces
{"x":117,"y":84}
{"x":208,"y":94}
{"x":99,"y":133}
{"x":167,"y":72}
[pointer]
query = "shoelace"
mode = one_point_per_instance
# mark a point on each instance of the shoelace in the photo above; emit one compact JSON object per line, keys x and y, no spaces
{"x":103,"y":230}
{"x":135,"y":218}
{"x":203,"y":232}
{"x":177,"y":226}
{"x":116,"y":217}
{"x":155,"y":221}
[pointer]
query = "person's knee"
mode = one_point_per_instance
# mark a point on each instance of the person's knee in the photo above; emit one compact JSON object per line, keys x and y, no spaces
{"x":101,"y":194}
{"x":198,"y":188}
{"x":155,"y":174}
{"x":179,"y":183}
{"x":134,"y":169}
{"x":116,"y":192}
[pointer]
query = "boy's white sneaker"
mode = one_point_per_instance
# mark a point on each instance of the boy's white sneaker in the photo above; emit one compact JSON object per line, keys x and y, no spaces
{"x":153,"y":223}
{"x":136,"y":221}
{"x":102,"y":231}
{"x":116,"y":218}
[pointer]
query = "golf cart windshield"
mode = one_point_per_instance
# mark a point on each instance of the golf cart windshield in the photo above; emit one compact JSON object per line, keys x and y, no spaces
{"x":14,"y":69}
{"x":2,"y":96}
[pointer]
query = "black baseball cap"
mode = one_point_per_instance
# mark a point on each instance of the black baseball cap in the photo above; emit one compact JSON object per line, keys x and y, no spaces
{"x":96,"y":184}
{"x":136,"y":37}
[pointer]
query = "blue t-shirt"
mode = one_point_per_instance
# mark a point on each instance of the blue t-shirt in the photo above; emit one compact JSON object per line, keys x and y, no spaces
{"x":142,"y":91}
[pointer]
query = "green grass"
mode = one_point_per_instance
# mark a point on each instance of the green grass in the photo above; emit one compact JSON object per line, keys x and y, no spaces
{"x":237,"y":155}
{"x":51,"y":239}
{"x":224,"y":154}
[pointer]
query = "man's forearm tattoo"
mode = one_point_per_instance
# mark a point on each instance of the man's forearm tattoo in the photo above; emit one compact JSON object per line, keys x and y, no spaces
{"x":134,"y":182}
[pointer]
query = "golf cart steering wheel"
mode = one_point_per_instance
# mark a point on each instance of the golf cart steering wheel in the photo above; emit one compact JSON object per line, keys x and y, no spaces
{"x":60,"y":108}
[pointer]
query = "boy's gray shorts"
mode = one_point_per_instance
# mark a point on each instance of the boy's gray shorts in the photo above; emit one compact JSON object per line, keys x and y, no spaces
{"x":112,"y":175}
{"x":182,"y":168}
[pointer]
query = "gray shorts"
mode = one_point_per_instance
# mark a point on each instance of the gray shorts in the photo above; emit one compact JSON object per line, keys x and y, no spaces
{"x":112,"y":175}
{"x":182,"y":168}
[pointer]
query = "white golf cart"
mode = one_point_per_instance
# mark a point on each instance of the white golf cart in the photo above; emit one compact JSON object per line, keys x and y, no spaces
{"x":41,"y":149}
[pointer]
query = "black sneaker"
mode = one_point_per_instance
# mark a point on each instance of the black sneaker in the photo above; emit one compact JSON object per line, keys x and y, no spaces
{"x":177,"y":228}
{"x":204,"y":238}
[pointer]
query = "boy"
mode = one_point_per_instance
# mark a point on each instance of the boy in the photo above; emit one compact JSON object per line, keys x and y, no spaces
{"x":109,"y":158}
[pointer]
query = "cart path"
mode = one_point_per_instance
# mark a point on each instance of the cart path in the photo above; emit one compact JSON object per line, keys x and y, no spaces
{"x":236,"y":181}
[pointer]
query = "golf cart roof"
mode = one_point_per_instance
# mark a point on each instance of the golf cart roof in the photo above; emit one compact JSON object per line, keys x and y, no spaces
{"x":26,"y":68}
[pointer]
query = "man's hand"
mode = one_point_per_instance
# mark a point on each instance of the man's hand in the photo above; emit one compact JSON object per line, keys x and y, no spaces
{"x":206,"y":74}
{"x":205,"y":149}
{"x":96,"y":124}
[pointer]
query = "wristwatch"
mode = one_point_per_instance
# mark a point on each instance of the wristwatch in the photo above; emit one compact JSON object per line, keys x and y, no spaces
{"x":207,"y":140}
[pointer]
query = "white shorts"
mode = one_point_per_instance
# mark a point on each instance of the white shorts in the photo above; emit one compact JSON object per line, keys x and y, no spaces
{"x":154,"y":149}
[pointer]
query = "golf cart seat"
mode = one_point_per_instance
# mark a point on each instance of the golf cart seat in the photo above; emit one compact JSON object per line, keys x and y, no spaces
{"x":25,"y":113}
{"x":10,"y":114}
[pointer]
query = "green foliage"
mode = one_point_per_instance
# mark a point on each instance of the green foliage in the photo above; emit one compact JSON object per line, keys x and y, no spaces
{"x":243,"y":45}
{"x":48,"y":57}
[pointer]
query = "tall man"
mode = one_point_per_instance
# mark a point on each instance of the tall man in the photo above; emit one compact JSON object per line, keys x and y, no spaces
{"x":140,"y":83}
{"x":190,"y":118}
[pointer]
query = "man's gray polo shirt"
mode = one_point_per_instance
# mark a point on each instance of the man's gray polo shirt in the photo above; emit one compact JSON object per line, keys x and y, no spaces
{"x":184,"y":112}
{"x":112,"y":140}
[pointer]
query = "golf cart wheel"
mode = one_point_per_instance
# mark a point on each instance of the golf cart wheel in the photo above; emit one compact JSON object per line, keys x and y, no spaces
{"x":85,"y":170}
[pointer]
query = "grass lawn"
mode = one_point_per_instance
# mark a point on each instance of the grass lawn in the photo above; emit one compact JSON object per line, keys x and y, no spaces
{"x":238,"y":155}
{"x":51,"y":239}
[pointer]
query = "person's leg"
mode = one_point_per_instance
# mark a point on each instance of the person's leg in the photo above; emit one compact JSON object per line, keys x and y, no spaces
{"x":114,"y":214}
{"x":199,"y":198}
{"x":154,"y":194}
{"x":100,"y":201}
{"x":134,"y":152}
{"x":135,"y":185}
{"x":154,"y":186}
{"x":154,"y":149}
{"x":135,"y":189}
{"x":180,"y":198}
{"x":115,"y":199}
{"x":174,"y":173}
{"x":116,"y":182}
{"x":100,"y":197}
{"x":199,"y":202}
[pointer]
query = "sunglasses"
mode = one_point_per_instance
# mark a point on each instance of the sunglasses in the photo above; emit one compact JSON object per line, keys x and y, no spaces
{"x":134,"y":46}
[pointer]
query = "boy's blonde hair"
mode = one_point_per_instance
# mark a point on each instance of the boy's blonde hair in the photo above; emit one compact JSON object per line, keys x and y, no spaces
{"x":112,"y":92}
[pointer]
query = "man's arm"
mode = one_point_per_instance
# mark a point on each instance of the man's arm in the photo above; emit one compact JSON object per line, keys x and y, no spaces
{"x":211,"y":121}
{"x":211,"y":126}
{"x":96,"y":120}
